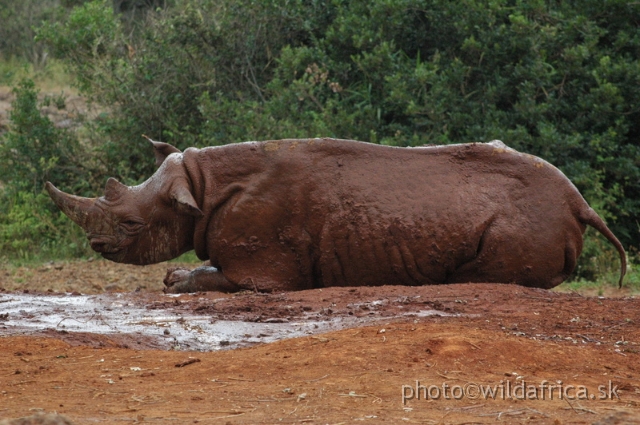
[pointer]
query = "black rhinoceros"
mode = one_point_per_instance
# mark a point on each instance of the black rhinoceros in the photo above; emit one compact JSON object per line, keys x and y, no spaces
{"x":299,"y":214}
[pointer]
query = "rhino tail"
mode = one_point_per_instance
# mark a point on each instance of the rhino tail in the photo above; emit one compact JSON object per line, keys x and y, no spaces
{"x":592,"y":218}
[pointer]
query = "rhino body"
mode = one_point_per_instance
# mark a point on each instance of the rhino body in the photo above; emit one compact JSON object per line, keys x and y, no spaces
{"x":301,"y":214}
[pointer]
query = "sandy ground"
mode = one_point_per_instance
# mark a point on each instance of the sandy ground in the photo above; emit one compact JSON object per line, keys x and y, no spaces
{"x":548,"y":357}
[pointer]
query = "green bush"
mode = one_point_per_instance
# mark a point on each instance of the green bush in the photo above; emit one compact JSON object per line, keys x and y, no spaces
{"x":158,"y":76}
{"x":17,"y":29}
{"x":32,"y":152}
{"x":20,"y":19}
{"x":30,"y":229}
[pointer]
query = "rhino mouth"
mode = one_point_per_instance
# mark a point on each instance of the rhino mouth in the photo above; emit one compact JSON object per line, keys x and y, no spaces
{"x":112,"y":256}
{"x":103,"y":245}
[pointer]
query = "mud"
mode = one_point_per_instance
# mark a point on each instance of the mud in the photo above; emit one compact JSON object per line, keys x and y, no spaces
{"x":201,"y":323}
{"x":255,"y":358}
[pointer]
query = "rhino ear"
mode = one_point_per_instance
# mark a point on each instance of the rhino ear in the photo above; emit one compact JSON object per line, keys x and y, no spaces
{"x":183,"y":201}
{"x":161,"y":150}
{"x":114,"y":189}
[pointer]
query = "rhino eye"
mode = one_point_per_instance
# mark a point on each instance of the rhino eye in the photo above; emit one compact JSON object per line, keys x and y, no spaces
{"x":131,"y":225}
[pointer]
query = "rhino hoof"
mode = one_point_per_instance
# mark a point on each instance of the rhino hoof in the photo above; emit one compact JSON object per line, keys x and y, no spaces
{"x":174,"y":277}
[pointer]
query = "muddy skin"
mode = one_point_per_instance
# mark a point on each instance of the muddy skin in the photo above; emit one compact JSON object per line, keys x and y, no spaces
{"x":301,"y":214}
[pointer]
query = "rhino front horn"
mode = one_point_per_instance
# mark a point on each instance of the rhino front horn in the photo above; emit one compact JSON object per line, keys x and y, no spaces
{"x":74,"y":207}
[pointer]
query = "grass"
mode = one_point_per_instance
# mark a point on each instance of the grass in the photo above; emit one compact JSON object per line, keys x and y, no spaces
{"x":53,"y":77}
{"x":35,"y":260}
{"x":607,"y":283}
{"x":187,"y":257}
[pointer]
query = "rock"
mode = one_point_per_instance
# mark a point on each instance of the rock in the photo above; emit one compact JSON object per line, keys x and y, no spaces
{"x":38,"y":419}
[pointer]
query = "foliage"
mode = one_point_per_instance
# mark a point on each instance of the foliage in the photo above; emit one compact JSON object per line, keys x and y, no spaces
{"x":31,"y":152}
{"x":19,"y":20}
{"x":158,"y":77}
{"x":31,"y":229}
{"x":35,"y":151}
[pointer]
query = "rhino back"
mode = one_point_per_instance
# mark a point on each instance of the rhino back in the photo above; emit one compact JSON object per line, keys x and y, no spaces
{"x":423,"y":215}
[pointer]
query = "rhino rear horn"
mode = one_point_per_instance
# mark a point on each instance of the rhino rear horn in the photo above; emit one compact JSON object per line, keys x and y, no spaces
{"x":113,"y":189}
{"x":74,"y":207}
{"x":161,"y":150}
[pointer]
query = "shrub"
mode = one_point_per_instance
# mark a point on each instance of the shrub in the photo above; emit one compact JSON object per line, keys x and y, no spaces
{"x":34,"y":150}
{"x":31,"y":152}
{"x":31,"y":229}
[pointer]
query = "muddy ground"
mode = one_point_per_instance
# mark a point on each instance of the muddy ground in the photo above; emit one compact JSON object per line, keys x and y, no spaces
{"x":336,"y":355}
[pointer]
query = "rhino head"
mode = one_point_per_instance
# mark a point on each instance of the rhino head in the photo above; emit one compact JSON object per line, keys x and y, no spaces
{"x":143,"y":224}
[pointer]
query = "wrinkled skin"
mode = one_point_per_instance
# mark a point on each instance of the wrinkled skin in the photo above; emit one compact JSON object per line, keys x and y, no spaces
{"x":300,"y":214}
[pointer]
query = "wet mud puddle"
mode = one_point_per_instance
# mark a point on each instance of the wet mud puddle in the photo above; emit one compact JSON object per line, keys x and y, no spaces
{"x":157,"y":321}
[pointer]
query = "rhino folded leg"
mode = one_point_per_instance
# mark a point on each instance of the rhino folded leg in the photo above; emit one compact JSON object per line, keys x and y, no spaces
{"x":180,"y":280}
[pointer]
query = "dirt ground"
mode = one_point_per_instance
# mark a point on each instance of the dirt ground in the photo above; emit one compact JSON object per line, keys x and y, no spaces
{"x":549,"y":357}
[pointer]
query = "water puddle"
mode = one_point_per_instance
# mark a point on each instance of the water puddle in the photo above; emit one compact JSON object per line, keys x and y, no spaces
{"x":165,"y":328}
